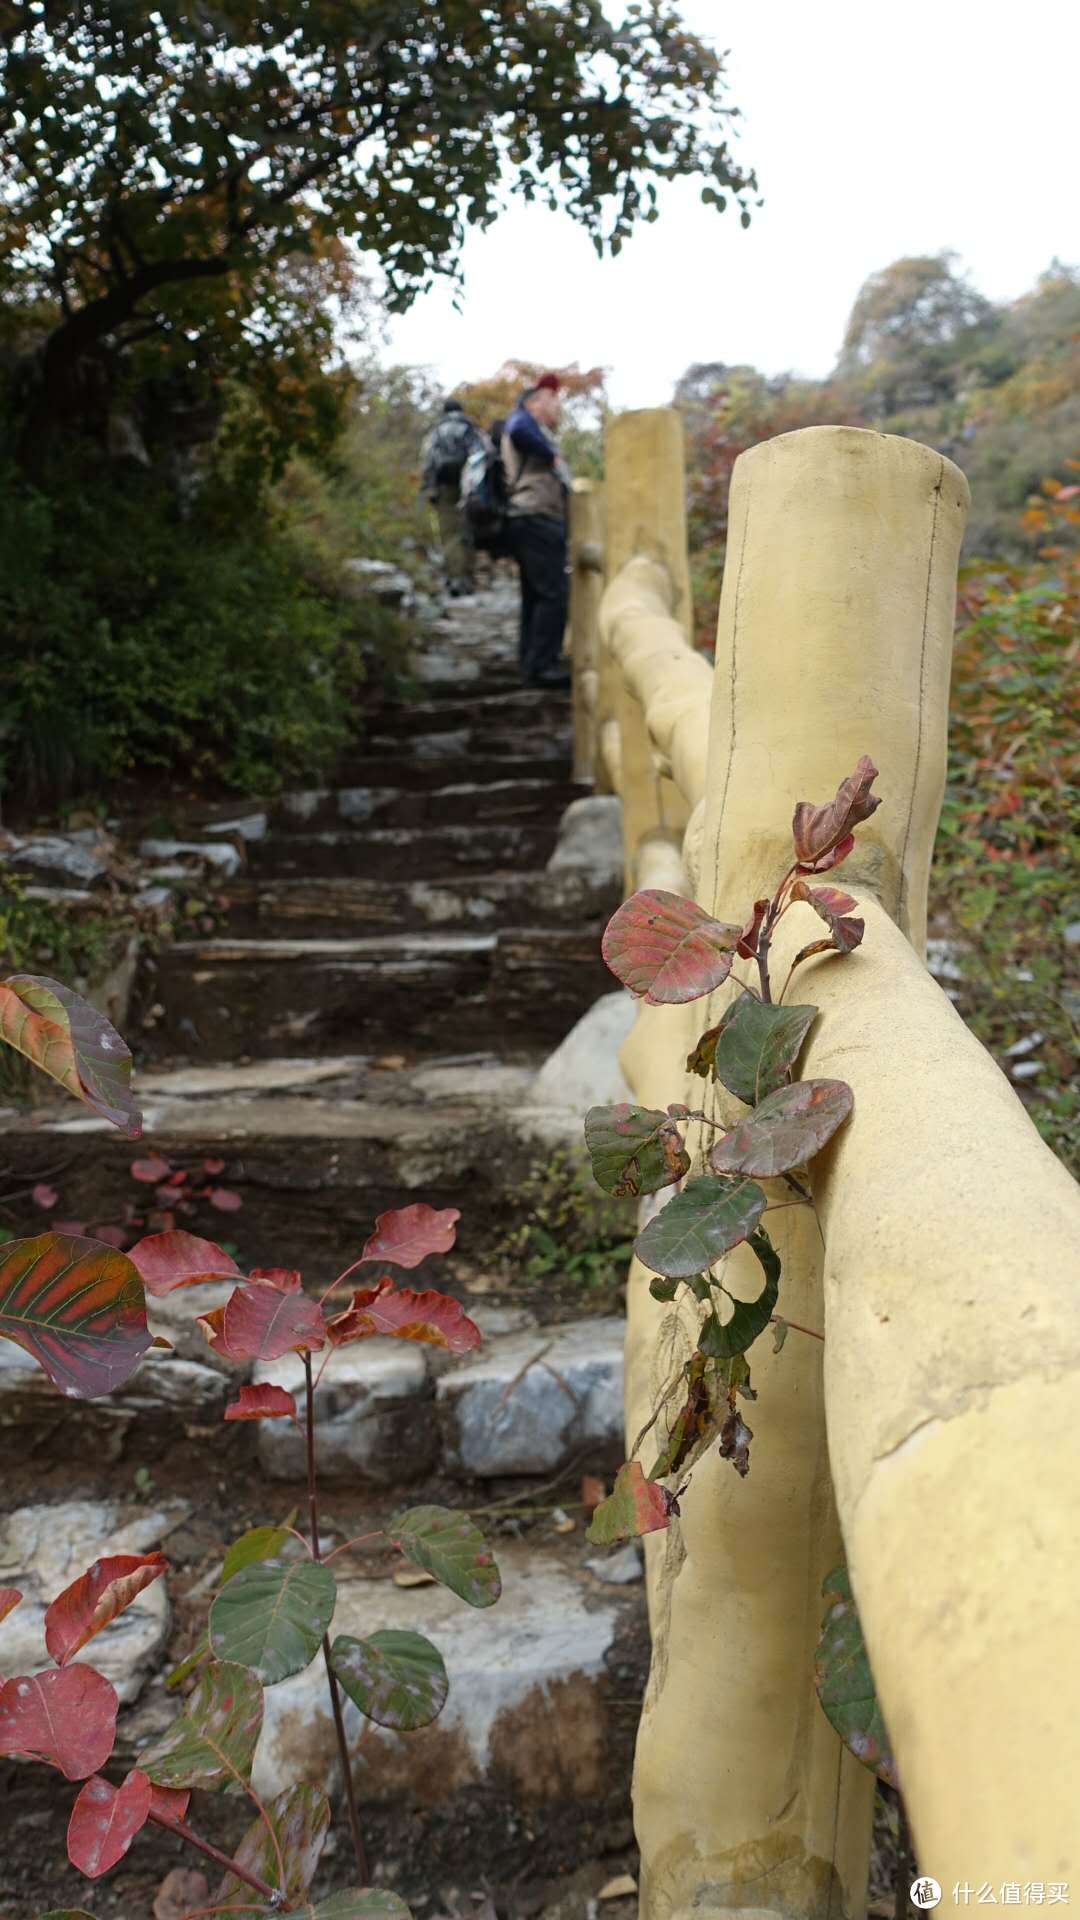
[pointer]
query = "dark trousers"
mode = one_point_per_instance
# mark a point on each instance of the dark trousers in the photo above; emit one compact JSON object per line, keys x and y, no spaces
{"x":539,"y":547}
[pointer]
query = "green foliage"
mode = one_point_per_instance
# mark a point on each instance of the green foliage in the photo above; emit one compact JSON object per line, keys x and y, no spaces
{"x":136,"y":638}
{"x":572,"y":1243}
{"x":37,"y":936}
{"x":1011,"y":809}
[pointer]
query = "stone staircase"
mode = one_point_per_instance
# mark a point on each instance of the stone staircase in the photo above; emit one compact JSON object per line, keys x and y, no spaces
{"x":388,"y":964}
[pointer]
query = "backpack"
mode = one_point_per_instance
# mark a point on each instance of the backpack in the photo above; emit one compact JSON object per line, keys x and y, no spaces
{"x":450,"y":445}
{"x":485,"y":496}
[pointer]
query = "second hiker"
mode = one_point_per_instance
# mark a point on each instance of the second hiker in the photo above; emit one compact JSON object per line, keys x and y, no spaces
{"x":537,"y":483}
{"x":445,"y":451}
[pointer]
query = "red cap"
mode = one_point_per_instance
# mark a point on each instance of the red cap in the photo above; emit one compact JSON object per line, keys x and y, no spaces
{"x":548,"y":382}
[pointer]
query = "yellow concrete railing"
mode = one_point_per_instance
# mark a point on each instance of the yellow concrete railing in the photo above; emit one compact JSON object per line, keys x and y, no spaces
{"x":937,"y":1445}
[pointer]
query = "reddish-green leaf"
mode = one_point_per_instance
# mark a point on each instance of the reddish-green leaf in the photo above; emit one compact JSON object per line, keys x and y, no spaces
{"x":262,"y":1403}
{"x":668,"y":950}
{"x":300,"y":1818}
{"x":260,"y":1323}
{"x":211,"y":1743}
{"x":272,"y":1615}
{"x":178,"y":1259}
{"x":77,"y":1307}
{"x":66,"y":1715}
{"x":786,"y":1130}
{"x":448,"y":1545}
{"x":73,"y":1043}
{"x":635,"y":1507}
{"x":758,"y":1045}
{"x":432,"y":1318}
{"x":698,"y":1225}
{"x":834,"y":907}
{"x":9,"y":1600}
{"x":634,"y":1149}
{"x":105,"y":1820}
{"x":696,"y":1423}
{"x":396,"y":1678}
{"x":95,"y":1598}
{"x":372,"y":1904}
{"x":845,"y":1684}
{"x":408,"y":1235}
{"x":816,"y":831}
{"x":748,"y":939}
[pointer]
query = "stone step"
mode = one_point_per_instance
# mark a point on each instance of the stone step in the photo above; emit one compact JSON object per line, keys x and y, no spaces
{"x":465,"y":802}
{"x":420,"y":853}
{"x":324,"y":905}
{"x":219,"y":999}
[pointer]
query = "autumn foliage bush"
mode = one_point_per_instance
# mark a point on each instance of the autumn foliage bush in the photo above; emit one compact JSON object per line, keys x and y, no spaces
{"x":77,"y":1306}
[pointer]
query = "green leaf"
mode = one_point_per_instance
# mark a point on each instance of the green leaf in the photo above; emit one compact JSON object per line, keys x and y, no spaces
{"x":635,"y":1507}
{"x":301,"y":1820}
{"x":258,"y":1543}
{"x":372,"y":1904}
{"x":396,"y":1678}
{"x":662,"y":1289}
{"x":448,"y":1545}
{"x":211,"y":1743}
{"x":758,"y":1045}
{"x":786,"y":1130}
{"x":750,"y":1317}
{"x":66,"y":1913}
{"x":272,"y":1615}
{"x":634,"y":1150}
{"x":77,"y":1307}
{"x":698,"y":1225}
{"x":845,"y":1684}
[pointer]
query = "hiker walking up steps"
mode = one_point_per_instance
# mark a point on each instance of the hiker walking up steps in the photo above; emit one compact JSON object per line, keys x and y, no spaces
{"x":444,"y":453}
{"x":537,"y":485}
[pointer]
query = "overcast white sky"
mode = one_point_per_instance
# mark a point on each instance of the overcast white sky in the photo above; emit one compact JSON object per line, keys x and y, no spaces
{"x":875,"y":130}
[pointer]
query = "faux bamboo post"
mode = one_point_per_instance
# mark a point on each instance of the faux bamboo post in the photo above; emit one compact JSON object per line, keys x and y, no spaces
{"x":586,"y":587}
{"x":835,"y":638}
{"x":645,"y":488}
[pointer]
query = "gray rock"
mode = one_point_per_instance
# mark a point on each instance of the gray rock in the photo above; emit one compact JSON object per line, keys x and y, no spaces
{"x":621,"y":1569}
{"x":590,"y":842}
{"x":384,"y":582}
{"x":221,"y":855}
{"x":1072,"y":933}
{"x":61,"y":854}
{"x":42,"y":1549}
{"x":529,"y":1401}
{"x":583,"y":1072}
{"x":526,"y":1709}
{"x":249,"y":826}
{"x":372,"y":1412}
{"x":169,"y":1392}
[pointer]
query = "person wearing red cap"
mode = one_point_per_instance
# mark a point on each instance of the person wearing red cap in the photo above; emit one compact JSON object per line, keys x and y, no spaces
{"x":537,"y":487}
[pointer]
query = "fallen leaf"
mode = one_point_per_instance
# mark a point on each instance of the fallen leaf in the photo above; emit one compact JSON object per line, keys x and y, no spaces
{"x":413,"y":1577}
{"x":44,"y":1196}
{"x":593,"y":1490}
{"x":562,"y":1522}
{"x":390,"y":1062}
{"x":225,"y":1200}
{"x":180,"y":1893}
{"x":621,"y":1888}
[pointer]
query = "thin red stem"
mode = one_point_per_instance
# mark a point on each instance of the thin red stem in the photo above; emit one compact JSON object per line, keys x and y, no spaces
{"x":781,"y":1320}
{"x":360,"y":1538}
{"x":362,"y":1262}
{"x":331,"y":1677}
{"x":272,"y":1895}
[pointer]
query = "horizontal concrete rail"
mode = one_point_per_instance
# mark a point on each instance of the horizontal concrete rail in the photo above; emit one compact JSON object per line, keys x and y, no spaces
{"x":670,"y":681}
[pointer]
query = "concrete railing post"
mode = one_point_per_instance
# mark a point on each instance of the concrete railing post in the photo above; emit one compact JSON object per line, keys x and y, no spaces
{"x":834,"y":640}
{"x":645,"y":517}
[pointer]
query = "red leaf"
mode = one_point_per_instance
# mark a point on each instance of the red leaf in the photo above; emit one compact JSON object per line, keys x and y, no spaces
{"x":432,"y":1318}
{"x":668,"y":950}
{"x":262,"y":1403}
{"x":9,"y":1600}
{"x":748,"y":939}
{"x":105,"y":1820}
{"x":66,"y":1716}
{"x":72,"y":1042}
{"x":285,"y":1279}
{"x":178,"y":1259}
{"x":77,"y":1308}
{"x":225,"y":1199}
{"x":832,"y":905}
{"x":831,"y":859}
{"x":785,"y":1129}
{"x":44,"y":1196}
{"x":112,"y":1236}
{"x":408,"y":1234}
{"x":212,"y":1327}
{"x":151,"y":1170}
{"x":636,"y":1506}
{"x":95,"y":1598}
{"x":260,"y":1323}
{"x":169,"y":1803}
{"x":213,"y":1166}
{"x":817,"y":830}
